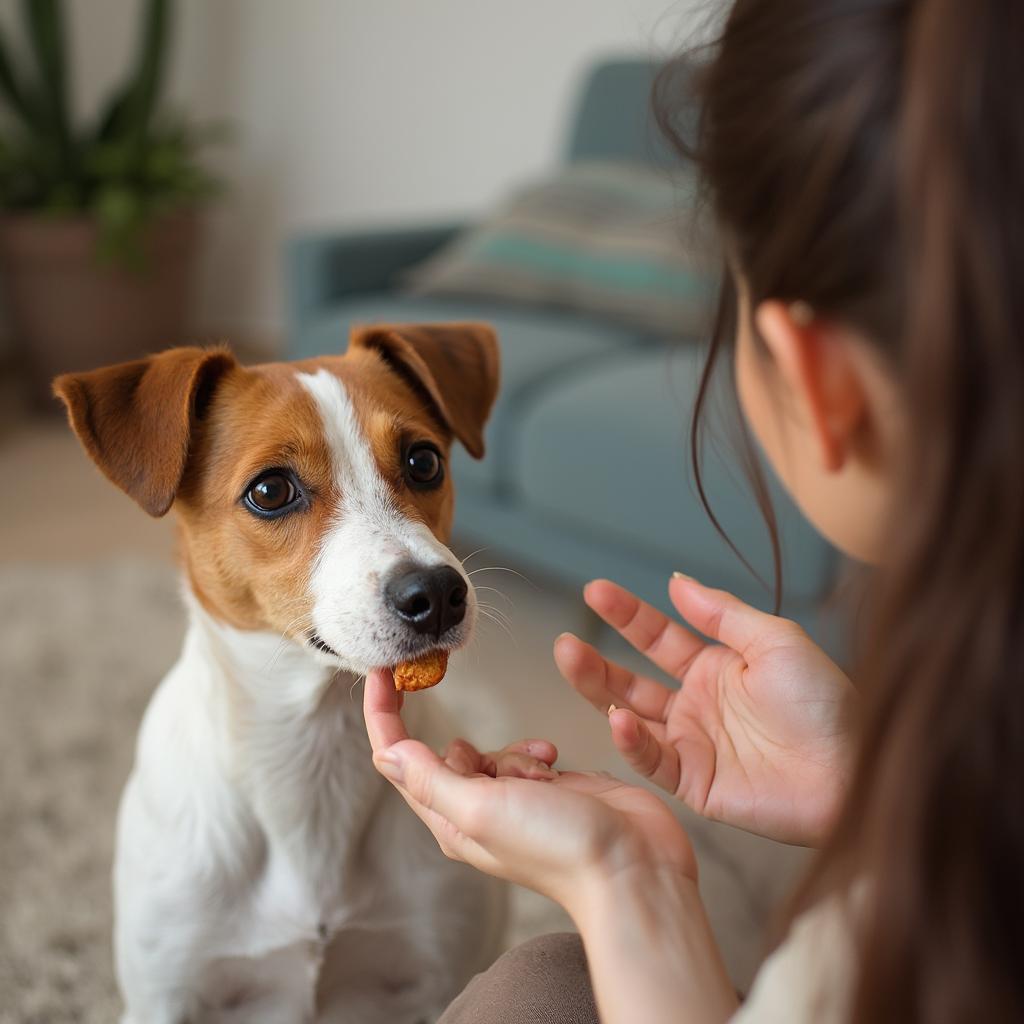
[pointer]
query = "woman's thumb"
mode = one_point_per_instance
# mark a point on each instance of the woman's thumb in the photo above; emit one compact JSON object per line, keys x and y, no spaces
{"x":721,"y":616}
{"x":416,"y":769}
{"x":641,"y":749}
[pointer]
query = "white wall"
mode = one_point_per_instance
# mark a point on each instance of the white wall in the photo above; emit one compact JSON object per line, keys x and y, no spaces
{"x":354,"y":112}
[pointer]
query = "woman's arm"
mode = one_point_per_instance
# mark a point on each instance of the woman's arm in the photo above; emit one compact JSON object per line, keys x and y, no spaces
{"x":651,"y":952}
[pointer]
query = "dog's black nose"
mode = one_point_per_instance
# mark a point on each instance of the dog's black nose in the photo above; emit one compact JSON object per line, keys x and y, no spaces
{"x":430,"y":600}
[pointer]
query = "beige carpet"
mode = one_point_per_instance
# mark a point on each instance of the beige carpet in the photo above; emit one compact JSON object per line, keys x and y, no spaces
{"x":81,"y":650}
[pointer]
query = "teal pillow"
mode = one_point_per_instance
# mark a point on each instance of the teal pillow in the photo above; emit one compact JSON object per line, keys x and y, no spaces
{"x":610,"y":239}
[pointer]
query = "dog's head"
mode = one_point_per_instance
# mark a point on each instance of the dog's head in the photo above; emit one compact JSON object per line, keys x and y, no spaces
{"x":314,"y":498}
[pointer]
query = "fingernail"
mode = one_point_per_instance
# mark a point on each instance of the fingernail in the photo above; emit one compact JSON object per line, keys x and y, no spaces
{"x":611,"y":708}
{"x":682,"y":576}
{"x":563,"y":636}
{"x":390,"y":766}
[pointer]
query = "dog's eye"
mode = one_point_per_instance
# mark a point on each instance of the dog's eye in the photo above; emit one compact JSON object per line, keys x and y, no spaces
{"x":273,"y":492}
{"x":423,"y":465}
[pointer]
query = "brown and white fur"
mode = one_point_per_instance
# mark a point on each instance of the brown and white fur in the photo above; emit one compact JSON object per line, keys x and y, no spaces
{"x":264,"y":872}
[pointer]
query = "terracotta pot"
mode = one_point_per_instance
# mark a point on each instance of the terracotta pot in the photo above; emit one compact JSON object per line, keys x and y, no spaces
{"x":67,"y":310}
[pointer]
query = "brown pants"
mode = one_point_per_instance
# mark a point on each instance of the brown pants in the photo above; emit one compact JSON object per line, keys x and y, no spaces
{"x":543,"y":981}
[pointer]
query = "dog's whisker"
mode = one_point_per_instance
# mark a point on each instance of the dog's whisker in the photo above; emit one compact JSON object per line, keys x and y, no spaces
{"x":303,"y":618}
{"x":271,"y":662}
{"x":286,"y":637}
{"x":507,"y":638}
{"x":496,"y":612}
{"x":500,"y":593}
{"x":308,"y":615}
{"x":298,"y":618}
{"x":504,"y":568}
{"x":486,"y":613}
{"x":473,"y":554}
{"x":494,"y":607}
{"x":276,"y":655}
{"x":355,"y":683}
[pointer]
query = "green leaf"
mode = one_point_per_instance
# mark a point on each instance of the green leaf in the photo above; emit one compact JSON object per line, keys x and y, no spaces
{"x":113,"y":115}
{"x":148,"y":77}
{"x":121,"y":216}
{"x":44,"y":22}
{"x":14,"y":91}
{"x":116,"y":207}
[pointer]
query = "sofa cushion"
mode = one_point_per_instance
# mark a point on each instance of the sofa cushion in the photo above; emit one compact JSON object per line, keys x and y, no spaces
{"x":605,"y":454}
{"x":538,"y":348}
{"x":605,"y":238}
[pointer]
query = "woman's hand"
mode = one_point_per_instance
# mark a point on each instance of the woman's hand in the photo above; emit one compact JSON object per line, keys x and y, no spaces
{"x":554,"y":833}
{"x":613,"y":855}
{"x":758,"y":734}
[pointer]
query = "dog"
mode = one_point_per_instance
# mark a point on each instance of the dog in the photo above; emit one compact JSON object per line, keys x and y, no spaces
{"x":264,"y":871}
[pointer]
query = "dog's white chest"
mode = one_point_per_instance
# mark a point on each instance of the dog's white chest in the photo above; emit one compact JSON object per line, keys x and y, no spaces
{"x":272,"y":884}
{"x":287,"y":906}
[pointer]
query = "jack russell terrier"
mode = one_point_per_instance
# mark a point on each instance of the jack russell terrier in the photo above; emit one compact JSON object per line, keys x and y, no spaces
{"x":264,"y":870}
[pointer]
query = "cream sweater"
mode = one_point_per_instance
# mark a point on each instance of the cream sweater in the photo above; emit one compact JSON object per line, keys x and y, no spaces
{"x":809,"y":978}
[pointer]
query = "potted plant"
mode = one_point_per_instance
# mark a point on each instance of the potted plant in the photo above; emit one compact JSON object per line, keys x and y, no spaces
{"x":99,"y":223}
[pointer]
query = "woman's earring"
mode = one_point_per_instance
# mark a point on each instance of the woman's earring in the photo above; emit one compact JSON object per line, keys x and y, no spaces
{"x":801,"y":313}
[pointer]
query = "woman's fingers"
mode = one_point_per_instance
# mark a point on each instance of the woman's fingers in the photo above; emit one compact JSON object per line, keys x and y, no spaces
{"x":602,"y":682}
{"x":525,"y":759}
{"x":542,"y":750}
{"x":464,"y":758}
{"x":512,"y":764}
{"x":725,"y":618}
{"x":382,"y":705}
{"x":643,"y":751}
{"x":666,"y":643}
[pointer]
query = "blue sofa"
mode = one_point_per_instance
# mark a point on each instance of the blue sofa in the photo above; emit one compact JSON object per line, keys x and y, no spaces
{"x":586,"y":472}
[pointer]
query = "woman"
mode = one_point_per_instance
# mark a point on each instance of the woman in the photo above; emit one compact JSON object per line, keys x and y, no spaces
{"x":865,"y":162}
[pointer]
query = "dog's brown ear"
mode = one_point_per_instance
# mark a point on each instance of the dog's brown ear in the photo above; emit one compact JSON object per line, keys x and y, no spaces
{"x":454,"y":366}
{"x":135,"y":419}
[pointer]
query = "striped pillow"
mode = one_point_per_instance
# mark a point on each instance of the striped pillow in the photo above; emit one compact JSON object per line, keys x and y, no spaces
{"x":603,"y":238}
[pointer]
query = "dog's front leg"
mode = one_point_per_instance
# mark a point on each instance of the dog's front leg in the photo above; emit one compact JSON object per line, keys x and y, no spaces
{"x":164,"y":918}
{"x":156,"y":971}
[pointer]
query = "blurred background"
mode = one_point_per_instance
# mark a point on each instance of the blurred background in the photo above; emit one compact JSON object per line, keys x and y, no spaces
{"x":268,"y":174}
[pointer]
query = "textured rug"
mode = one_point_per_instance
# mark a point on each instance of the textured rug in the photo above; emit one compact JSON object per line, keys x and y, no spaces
{"x":81,"y":650}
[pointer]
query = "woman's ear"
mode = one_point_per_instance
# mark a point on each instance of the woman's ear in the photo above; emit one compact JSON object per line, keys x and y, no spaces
{"x":135,"y":419}
{"x":821,"y":375}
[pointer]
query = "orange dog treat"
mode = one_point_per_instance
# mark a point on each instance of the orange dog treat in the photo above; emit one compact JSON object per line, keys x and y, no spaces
{"x":422,"y":673}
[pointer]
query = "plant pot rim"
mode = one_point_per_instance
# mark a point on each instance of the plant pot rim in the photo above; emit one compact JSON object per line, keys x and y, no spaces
{"x":81,"y":221}
{"x":27,"y":238}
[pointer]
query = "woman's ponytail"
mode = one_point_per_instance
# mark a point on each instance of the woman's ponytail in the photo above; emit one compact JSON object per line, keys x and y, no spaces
{"x":941,"y":776}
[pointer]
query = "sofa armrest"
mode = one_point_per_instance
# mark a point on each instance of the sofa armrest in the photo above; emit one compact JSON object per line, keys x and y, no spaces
{"x":320,"y":269}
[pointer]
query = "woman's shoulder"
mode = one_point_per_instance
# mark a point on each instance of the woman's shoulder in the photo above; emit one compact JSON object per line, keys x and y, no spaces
{"x":809,"y":978}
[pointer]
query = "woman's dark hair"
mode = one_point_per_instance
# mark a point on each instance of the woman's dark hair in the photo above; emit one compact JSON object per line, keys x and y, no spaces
{"x":867,"y":158}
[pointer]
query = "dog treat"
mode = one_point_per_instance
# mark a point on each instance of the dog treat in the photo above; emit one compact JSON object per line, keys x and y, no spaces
{"x":422,"y":673}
